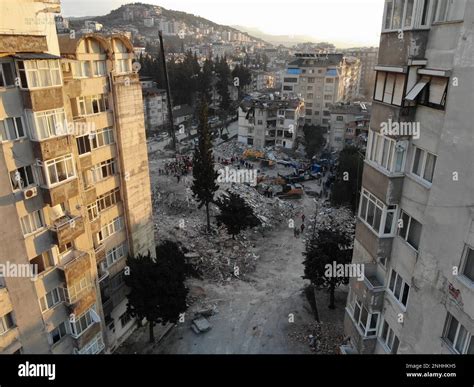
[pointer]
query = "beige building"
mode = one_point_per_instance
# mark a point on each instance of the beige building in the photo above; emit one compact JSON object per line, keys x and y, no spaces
{"x":321,"y":80}
{"x":415,"y":230}
{"x":74,"y":184}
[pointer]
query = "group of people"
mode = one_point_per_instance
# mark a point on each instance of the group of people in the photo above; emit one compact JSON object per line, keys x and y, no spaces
{"x":299,"y":230}
{"x":178,"y":168}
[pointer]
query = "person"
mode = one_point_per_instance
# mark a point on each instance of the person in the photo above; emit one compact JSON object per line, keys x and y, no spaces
{"x":302,"y":228}
{"x":302,"y":218}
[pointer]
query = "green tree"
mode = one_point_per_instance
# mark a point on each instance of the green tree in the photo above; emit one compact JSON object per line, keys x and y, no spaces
{"x":313,"y":139}
{"x":330,"y":244}
{"x":157,"y":289}
{"x":236,"y":214}
{"x":348,"y":178}
{"x":204,"y":176}
{"x":244,"y":76}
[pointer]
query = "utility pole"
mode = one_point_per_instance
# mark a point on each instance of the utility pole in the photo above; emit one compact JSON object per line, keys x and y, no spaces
{"x":168,"y":96}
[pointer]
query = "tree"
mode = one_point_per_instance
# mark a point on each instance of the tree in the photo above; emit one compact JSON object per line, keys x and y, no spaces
{"x":157,"y":289}
{"x":329,"y":246}
{"x":314,"y":139}
{"x":236,"y":214}
{"x":204,"y":176}
{"x":348,"y":179}
{"x":244,"y":76}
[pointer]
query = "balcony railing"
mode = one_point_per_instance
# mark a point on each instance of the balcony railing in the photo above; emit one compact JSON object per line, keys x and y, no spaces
{"x":67,"y":228}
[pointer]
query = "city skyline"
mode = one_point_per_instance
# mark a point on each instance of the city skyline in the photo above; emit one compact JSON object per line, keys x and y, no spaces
{"x":276,"y":22}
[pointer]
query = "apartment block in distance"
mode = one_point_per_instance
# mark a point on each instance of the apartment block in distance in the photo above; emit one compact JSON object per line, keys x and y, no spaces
{"x":266,"y":119}
{"x":320,"y":80}
{"x":74,"y":183}
{"x":415,"y":229}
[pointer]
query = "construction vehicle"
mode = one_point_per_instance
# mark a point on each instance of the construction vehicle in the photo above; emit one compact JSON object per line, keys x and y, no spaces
{"x":252,"y":154}
{"x":291,"y":191}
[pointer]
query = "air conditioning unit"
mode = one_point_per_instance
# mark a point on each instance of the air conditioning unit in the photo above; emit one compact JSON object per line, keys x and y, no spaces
{"x":30,"y":192}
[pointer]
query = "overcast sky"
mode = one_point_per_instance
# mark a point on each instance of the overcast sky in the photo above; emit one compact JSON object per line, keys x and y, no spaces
{"x":338,"y":21}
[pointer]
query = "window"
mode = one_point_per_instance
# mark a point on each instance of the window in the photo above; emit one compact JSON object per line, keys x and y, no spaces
{"x":290,"y":80}
{"x":114,"y":254}
{"x":388,"y":337}
{"x":449,"y":10}
{"x":6,"y":323}
{"x":375,"y":214}
{"x":389,"y":88}
{"x":81,"y":323}
{"x":49,"y":123}
{"x":386,"y":152}
{"x":367,"y":322}
{"x":468,"y":267}
{"x":399,"y":288}
{"x":7,"y":75}
{"x":288,"y":88}
{"x":32,"y":222}
{"x":339,"y":118}
{"x":62,"y":249}
{"x":103,"y":170}
{"x":108,"y":199}
{"x":398,"y":14}
{"x":91,"y":105}
{"x":310,"y":96}
{"x":94,"y":346}
{"x":309,"y":112}
{"x":22,"y":177}
{"x":51,"y":299}
{"x":410,"y":230}
{"x":75,"y":290}
{"x":109,"y":229}
{"x":423,"y":164}
{"x":83,"y":144}
{"x":58,"y":333}
{"x":458,"y":337}
{"x":125,"y":319}
{"x":434,"y":93}
{"x":39,"y":73}
{"x":100,"y":68}
{"x":59,"y":170}
{"x":122,"y":66}
{"x":81,"y":69}
{"x":92,"y":211}
{"x":328,"y":97}
{"x":12,"y":128}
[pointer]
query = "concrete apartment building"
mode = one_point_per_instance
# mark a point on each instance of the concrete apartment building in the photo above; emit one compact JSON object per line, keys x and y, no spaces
{"x":270,"y":120}
{"x":74,"y":183}
{"x":368,"y":61}
{"x":415,"y":230}
{"x":318,"y":79}
{"x":154,"y":105}
{"x":349,"y":125}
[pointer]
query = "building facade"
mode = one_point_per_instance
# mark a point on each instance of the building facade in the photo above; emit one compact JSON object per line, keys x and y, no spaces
{"x":269,"y":120}
{"x":318,"y":79}
{"x":74,"y":184}
{"x":415,"y":229}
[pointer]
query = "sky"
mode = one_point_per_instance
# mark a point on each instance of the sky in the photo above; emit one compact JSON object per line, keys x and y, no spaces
{"x":342,"y":22}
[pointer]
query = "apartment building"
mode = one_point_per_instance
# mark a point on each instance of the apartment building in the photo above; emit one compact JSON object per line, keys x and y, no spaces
{"x":74,"y":184}
{"x":351,"y":76}
{"x":318,"y":79}
{"x":368,"y":61}
{"x":267,"y":119}
{"x":415,"y":229}
{"x":349,"y":125}
{"x":154,"y":105}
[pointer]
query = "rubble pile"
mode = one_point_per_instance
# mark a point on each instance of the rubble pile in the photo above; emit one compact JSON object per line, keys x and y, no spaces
{"x":321,"y":338}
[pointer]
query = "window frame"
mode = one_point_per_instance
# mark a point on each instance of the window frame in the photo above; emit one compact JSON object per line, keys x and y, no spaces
{"x":57,"y":297}
{"x":394,"y":92}
{"x":32,"y":222}
{"x":7,"y":324}
{"x":385,"y":210}
{"x":403,"y":285}
{"x":388,"y":342}
{"x":53,"y":162}
{"x":423,"y":159}
{"x":375,"y":153}
{"x":5,"y":129}
{"x":464,"y":262}
{"x":403,"y":15}
{"x":28,"y":73}
{"x":452,"y":345}
{"x":29,"y":184}
{"x":407,"y":229}
{"x":3,"y":79}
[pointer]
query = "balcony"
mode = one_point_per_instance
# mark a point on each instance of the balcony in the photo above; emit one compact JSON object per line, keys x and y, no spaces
{"x":67,"y":228}
{"x":378,"y":248}
{"x":10,"y":341}
{"x":96,"y":121}
{"x":387,"y":188}
{"x":82,"y":301}
{"x":40,"y":100}
{"x":60,"y":193}
{"x":394,"y":51}
{"x":360,"y":343}
{"x":53,"y":147}
{"x":371,"y":290}
{"x":86,"y":86}
{"x":382,"y":112}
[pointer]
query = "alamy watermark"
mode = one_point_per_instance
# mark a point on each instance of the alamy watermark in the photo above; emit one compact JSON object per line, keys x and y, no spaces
{"x":19,"y":270}
{"x":391,"y":128}
{"x":232,"y":175}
